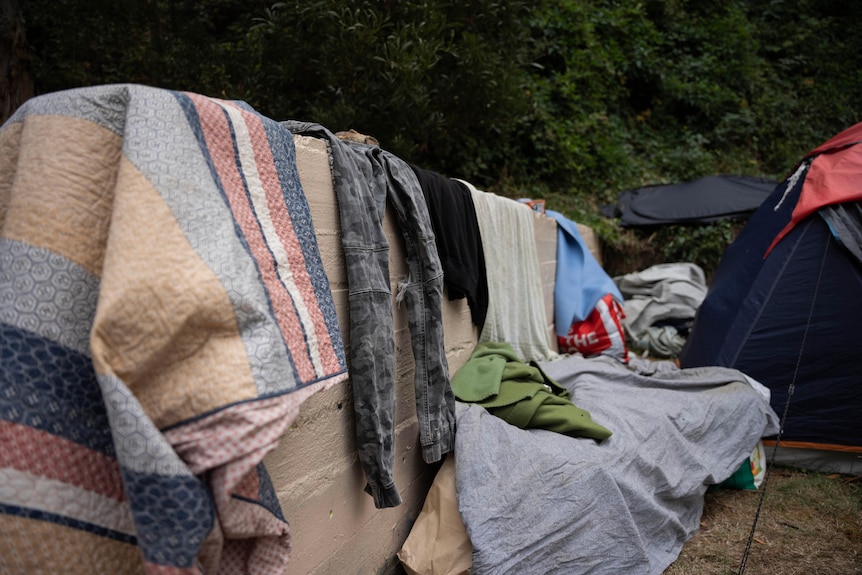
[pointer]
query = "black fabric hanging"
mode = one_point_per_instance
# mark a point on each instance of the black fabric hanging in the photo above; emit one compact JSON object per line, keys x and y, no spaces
{"x":459,"y":244}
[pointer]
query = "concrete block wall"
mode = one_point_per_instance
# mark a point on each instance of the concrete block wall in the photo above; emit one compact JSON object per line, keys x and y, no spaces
{"x":335,"y":527}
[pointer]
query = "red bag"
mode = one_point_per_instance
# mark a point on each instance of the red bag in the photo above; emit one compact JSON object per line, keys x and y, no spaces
{"x":600,"y":334}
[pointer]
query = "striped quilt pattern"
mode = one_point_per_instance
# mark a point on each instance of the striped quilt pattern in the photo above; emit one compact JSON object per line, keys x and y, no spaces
{"x":164,"y":312}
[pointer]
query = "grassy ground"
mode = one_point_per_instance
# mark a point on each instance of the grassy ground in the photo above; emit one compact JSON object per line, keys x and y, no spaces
{"x":810,"y":524}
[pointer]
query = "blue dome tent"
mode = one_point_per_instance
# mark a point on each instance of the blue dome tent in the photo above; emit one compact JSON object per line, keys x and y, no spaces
{"x":785,"y":306}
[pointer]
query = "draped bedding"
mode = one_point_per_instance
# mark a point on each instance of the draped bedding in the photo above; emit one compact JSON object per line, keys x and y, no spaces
{"x":536,"y":501}
{"x":164,"y":312}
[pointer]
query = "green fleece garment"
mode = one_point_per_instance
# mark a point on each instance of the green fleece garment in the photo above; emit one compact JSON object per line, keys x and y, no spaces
{"x":521,"y":394}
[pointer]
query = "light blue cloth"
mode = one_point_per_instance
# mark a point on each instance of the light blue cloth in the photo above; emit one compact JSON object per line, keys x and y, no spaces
{"x":581,"y":282}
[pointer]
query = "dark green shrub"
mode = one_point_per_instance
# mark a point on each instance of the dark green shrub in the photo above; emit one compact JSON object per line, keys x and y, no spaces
{"x":571,"y":100}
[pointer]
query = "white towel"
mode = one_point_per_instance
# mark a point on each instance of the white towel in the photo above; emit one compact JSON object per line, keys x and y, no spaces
{"x":516,"y":306}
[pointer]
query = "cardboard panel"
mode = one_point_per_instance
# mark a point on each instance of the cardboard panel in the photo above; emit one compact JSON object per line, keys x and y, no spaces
{"x":317,"y":476}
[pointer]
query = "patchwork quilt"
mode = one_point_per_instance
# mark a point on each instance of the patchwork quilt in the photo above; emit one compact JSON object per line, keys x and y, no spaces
{"x":164,"y":312}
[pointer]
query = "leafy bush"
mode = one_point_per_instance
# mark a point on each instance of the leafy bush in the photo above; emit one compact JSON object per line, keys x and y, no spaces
{"x":571,"y":100}
{"x":438,"y":83}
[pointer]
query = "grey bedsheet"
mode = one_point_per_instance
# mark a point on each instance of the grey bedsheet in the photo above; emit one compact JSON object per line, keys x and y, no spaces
{"x":537,"y":502}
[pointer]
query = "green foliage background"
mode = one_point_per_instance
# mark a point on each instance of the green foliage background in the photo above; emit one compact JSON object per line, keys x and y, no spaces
{"x":569,"y":100}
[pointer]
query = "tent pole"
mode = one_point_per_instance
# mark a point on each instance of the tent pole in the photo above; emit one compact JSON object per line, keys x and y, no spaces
{"x":791,"y":388}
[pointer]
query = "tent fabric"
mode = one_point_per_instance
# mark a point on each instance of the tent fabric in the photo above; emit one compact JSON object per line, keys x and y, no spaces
{"x":845,"y":223}
{"x":846,"y":138}
{"x":832,"y":179}
{"x":787,"y":314}
{"x":704,"y":200}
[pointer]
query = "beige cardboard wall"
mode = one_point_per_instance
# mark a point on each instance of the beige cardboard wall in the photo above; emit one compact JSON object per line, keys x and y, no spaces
{"x":335,"y":527}
{"x":592,"y":241}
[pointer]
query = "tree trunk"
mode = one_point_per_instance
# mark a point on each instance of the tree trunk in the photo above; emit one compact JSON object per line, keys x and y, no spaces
{"x":16,"y":78}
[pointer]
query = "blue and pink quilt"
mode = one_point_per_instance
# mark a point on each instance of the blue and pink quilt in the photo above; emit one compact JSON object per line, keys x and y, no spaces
{"x":163,"y":314}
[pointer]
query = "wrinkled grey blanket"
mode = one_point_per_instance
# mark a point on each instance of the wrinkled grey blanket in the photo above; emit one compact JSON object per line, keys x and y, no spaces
{"x":663,"y":292}
{"x":537,"y":502}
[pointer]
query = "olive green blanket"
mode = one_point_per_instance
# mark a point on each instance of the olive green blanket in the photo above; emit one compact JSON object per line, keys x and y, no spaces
{"x":520,"y":393}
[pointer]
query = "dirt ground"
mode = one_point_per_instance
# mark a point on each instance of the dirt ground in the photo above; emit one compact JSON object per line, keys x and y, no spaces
{"x":809,"y":524}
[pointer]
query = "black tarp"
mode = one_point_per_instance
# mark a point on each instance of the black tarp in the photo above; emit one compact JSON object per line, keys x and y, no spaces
{"x":704,"y":200}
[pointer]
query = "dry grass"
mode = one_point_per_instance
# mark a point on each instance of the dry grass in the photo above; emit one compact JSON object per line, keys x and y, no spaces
{"x":810,"y":524}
